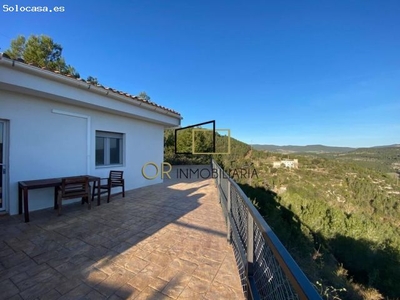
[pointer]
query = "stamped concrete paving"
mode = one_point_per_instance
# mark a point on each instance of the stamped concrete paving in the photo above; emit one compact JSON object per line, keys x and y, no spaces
{"x":166,"y":241}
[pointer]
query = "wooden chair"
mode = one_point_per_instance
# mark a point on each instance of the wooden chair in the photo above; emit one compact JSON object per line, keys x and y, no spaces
{"x":72,"y":188}
{"x":115,"y":179}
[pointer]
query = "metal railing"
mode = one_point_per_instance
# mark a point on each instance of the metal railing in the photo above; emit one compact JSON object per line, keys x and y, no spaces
{"x":266,"y":269}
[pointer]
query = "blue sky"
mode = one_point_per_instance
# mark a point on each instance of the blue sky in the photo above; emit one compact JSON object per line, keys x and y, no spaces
{"x":273,"y":72}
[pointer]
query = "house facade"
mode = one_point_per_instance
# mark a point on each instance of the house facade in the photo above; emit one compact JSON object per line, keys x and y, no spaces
{"x":53,"y":125}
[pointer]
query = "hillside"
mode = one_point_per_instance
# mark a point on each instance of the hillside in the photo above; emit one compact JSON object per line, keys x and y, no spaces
{"x":338,"y":218}
{"x":300,"y":149}
{"x":384,"y":159}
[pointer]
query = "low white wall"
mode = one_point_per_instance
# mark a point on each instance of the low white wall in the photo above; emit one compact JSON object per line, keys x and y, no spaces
{"x":44,"y":144}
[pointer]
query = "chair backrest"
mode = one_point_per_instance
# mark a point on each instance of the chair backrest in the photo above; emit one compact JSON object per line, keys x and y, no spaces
{"x":116,"y":176}
{"x":75,"y":186}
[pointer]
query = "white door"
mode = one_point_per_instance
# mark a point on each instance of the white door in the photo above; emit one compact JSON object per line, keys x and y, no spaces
{"x":3,"y":165}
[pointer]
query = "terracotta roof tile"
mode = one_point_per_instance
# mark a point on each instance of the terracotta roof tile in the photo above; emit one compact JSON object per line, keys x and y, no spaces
{"x":136,"y":98}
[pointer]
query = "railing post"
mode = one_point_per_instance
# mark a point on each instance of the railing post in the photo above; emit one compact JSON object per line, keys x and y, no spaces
{"x":228,"y":208}
{"x":250,"y":245}
{"x":219,"y":176}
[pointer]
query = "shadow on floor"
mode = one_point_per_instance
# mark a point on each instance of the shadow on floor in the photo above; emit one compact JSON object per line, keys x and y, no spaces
{"x":159,"y":242}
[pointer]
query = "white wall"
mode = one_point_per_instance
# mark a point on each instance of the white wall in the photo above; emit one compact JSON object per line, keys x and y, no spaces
{"x":19,"y":77}
{"x":44,"y":144}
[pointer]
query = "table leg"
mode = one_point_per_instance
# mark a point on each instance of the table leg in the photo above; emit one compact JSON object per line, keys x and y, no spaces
{"x":26,"y":208}
{"x":55,"y":197}
{"x":98,"y":191}
{"x":19,"y":200}
{"x":93,"y":190}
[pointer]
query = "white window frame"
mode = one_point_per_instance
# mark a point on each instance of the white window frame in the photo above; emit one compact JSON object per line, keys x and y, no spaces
{"x":107,"y":136}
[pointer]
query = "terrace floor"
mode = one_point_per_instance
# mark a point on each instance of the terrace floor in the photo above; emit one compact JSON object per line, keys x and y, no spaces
{"x":166,"y":241}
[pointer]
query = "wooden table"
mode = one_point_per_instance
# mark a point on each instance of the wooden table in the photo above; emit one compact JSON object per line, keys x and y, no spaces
{"x":25,"y":186}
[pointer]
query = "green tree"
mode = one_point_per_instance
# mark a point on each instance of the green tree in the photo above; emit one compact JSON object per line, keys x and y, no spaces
{"x":92,"y":80}
{"x":17,"y":48}
{"x":41,"y":51}
{"x":144,"y":96}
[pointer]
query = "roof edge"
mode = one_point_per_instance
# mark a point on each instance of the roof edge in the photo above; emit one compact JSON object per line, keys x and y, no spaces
{"x":83,"y":84}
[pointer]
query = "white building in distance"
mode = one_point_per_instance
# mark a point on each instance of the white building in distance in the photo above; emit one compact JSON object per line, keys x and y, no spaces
{"x":288,"y":163}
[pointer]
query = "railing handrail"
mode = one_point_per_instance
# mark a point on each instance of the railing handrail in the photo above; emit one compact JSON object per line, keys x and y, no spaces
{"x":295,"y":275}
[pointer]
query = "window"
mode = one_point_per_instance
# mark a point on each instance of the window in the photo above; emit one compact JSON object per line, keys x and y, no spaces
{"x":108,"y":148}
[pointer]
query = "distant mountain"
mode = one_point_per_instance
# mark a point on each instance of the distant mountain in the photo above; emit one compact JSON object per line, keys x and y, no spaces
{"x":308,"y":148}
{"x":388,"y":146}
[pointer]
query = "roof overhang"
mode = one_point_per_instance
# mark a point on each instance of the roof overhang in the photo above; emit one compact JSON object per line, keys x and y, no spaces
{"x":22,"y":78}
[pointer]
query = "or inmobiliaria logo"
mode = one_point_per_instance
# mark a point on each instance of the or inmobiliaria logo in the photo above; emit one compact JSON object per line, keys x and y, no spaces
{"x":198,"y":139}
{"x":202,"y":172}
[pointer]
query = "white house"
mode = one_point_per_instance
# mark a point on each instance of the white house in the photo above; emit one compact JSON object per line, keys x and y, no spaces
{"x":288,"y":163}
{"x":53,"y":125}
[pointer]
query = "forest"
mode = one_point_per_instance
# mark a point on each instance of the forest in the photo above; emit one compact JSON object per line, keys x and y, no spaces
{"x":384,"y":159}
{"x":337,"y":217}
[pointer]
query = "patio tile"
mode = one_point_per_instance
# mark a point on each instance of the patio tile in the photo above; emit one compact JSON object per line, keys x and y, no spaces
{"x":68,"y":269}
{"x":215,"y":255}
{"x":77,"y":246}
{"x":8,"y":273}
{"x":160,"y":258}
{"x":136,"y":264}
{"x":121,"y":247}
{"x":105,"y":265}
{"x":114,"y":297}
{"x":155,"y":227}
{"x":220,"y":291}
{"x":166,"y":241}
{"x":47,"y":255}
{"x":42,"y":288}
{"x":189,"y":294}
{"x":158,"y":284}
{"x":143,"y":253}
{"x":110,"y":244}
{"x":94,"y":295}
{"x":168,"y":273}
{"x":140,"y":281}
{"x":36,"y":279}
{"x":127,"y":292}
{"x":14,"y":259}
{"x":152,"y":270}
{"x":227,"y":275}
{"x":15,"y":297}
{"x":113,"y":282}
{"x":197,"y":286}
{"x":96,"y":253}
{"x":50,"y":295}
{"x":152,"y":294}
{"x":206,"y":272}
{"x":68,"y":285}
{"x":94,"y":277}
{"x":19,"y":277}
{"x":176,"y":286}
{"x":62,"y":256}
{"x":6,"y":251}
{"x":183,"y":265}
{"x":78,"y":292}
{"x":8,"y":289}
